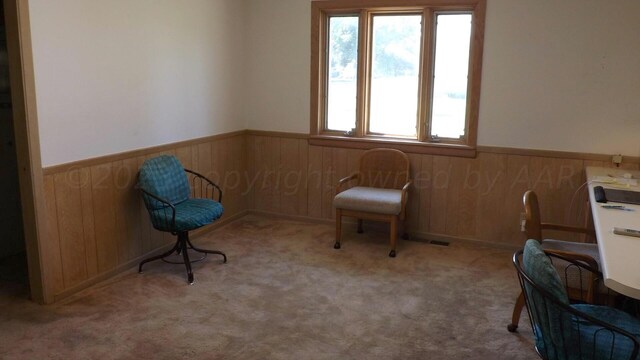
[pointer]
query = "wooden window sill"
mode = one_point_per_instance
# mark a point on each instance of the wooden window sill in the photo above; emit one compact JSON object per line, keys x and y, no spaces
{"x":408,"y":146}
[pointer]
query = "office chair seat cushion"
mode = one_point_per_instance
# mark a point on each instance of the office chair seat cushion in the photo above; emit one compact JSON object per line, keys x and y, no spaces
{"x":190,"y":214}
{"x":164,"y":176}
{"x":370,"y":199}
{"x":604,"y":341}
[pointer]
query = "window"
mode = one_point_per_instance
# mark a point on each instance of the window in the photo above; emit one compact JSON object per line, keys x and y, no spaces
{"x":402,"y":74}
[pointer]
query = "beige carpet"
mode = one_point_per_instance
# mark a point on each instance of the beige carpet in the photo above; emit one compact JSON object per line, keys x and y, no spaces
{"x":285,"y":294}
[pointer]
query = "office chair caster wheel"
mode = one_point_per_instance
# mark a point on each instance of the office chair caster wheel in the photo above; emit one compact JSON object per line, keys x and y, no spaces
{"x":336,"y":245}
{"x":512,"y":327}
{"x":392,"y":253}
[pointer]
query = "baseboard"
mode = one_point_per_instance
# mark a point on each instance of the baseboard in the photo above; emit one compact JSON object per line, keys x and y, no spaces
{"x":381,"y":227}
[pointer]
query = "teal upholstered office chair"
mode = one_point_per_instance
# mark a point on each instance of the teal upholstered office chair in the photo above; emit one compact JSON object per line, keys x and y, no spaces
{"x":564,"y":331}
{"x":169,"y":199}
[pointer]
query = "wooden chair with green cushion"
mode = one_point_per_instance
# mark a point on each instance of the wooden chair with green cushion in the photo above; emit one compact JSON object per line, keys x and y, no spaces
{"x":581,"y":288}
{"x":380,"y":192}
{"x":170,"y":199}
{"x":563,"y":331}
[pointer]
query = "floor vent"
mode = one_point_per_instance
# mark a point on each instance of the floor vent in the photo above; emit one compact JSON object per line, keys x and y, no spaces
{"x":439,"y":243}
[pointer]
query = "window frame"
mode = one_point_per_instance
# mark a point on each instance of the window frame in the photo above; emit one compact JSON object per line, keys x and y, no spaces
{"x":321,"y":10}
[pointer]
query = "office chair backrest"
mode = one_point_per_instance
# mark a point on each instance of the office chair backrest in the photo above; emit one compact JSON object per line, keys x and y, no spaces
{"x":165,"y":177}
{"x":548,"y":317}
{"x":384,"y":168}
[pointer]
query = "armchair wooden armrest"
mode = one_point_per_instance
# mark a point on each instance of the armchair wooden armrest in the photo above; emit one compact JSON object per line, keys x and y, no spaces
{"x":405,"y":191}
{"x":344,"y":181}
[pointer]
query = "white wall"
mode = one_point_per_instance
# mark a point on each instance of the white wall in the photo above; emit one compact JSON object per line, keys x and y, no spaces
{"x":118,"y":75}
{"x":562,"y":75}
{"x":557,"y":75}
{"x":278,"y":66}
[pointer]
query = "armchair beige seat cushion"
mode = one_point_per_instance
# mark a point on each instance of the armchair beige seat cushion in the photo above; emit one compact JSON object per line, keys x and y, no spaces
{"x":361,"y":198}
{"x":573,"y":247}
{"x":378,"y":191}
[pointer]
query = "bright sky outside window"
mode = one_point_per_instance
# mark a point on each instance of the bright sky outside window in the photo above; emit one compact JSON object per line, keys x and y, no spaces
{"x":449,"y":104}
{"x":395,"y":70}
{"x":342,"y":73}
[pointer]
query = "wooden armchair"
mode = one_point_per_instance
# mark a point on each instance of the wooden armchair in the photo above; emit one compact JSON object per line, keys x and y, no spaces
{"x":380,"y":194}
{"x":580,"y":286}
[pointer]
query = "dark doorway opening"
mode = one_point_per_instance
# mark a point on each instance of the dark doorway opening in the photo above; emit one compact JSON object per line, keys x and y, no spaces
{"x":13,"y":258}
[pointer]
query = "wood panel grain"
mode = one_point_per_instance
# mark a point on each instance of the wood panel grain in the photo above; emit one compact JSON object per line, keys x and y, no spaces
{"x":314,"y":182}
{"x":51,"y":248}
{"x":104,"y":211}
{"x":303,"y":191}
{"x":424,"y":183}
{"x":88,"y":227}
{"x":441,"y":181}
{"x":491,"y":185}
{"x":413,"y":203}
{"x":329,"y":180}
{"x":290,"y":175}
{"x":69,"y":215}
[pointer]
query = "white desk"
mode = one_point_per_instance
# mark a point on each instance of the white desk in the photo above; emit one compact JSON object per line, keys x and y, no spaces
{"x":619,"y":255}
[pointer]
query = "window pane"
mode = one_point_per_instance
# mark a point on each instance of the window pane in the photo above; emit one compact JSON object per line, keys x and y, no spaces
{"x":395,"y":68}
{"x":342,"y":73}
{"x":449,"y":104}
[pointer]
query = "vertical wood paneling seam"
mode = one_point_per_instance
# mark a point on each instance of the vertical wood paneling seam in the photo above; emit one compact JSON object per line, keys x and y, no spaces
{"x":114,"y":198}
{"x":86,"y":264}
{"x":93,"y":215}
{"x":55,"y":203}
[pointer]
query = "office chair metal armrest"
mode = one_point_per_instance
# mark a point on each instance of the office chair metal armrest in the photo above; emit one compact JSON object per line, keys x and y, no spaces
{"x":208,"y":184}
{"x":152,"y":213}
{"x":567,"y":228}
{"x":344,"y":181}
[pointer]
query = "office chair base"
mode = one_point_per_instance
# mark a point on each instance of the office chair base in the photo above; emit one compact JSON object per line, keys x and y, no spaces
{"x":181,"y":261}
{"x":183,"y":244}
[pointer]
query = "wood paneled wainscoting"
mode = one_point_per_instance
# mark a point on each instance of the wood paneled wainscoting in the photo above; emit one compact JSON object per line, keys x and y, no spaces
{"x":452,"y":198}
{"x":97,"y":225}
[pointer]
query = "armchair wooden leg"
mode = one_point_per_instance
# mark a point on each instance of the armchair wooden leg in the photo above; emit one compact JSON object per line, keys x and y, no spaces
{"x":338,"y":228}
{"x":394,"y":236}
{"x":360,"y":230}
{"x":517,"y":311}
